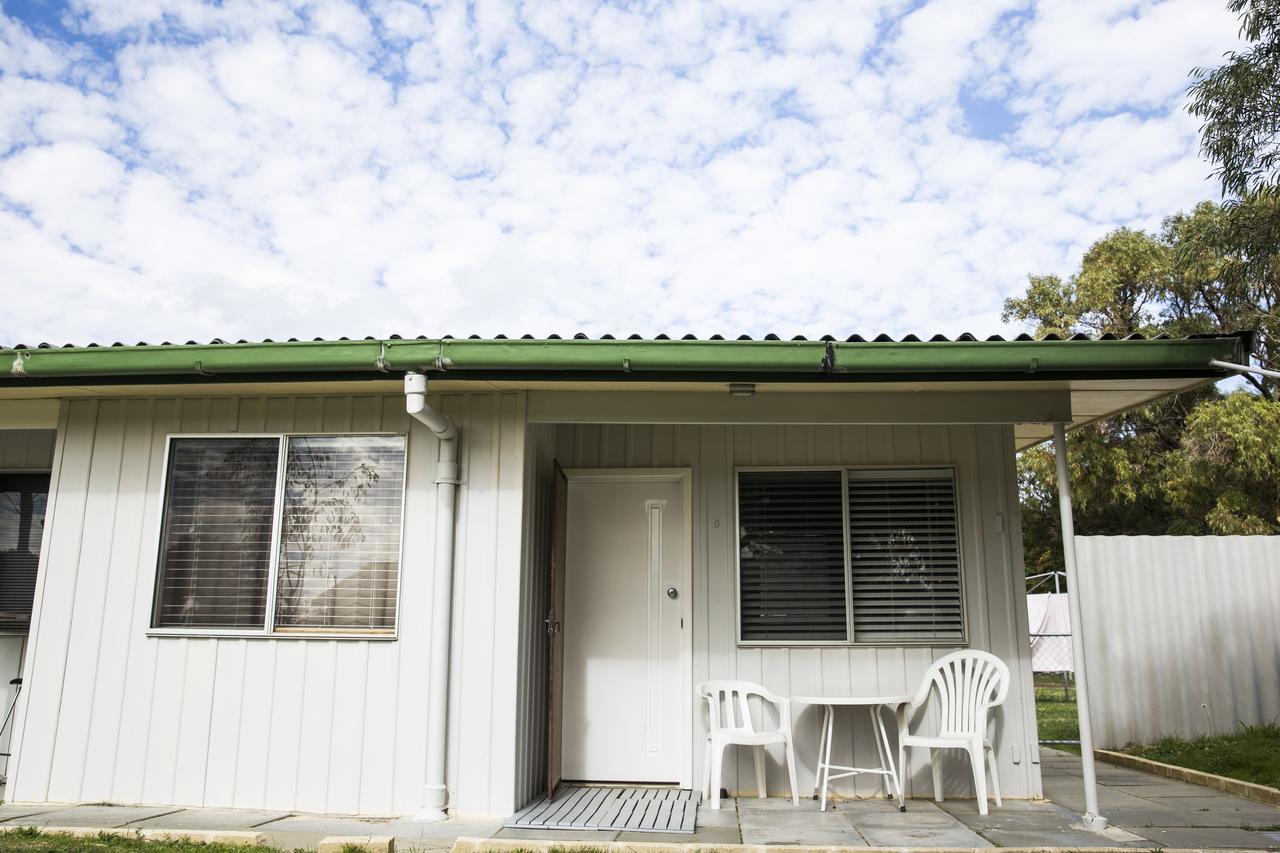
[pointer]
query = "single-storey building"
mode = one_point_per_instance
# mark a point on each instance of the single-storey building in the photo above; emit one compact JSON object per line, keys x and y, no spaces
{"x":396,"y":576}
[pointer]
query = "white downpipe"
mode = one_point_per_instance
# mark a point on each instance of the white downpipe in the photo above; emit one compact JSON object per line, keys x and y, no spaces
{"x":1245,"y":368}
{"x":1091,"y":815}
{"x":415,"y":401}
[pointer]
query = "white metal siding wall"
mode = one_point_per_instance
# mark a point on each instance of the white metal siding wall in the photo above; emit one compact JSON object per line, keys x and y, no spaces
{"x":994,"y":594}
{"x":1173,"y":624}
{"x":110,"y":714}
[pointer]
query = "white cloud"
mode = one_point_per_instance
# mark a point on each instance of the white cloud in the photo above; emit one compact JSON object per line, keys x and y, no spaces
{"x":173,"y":170}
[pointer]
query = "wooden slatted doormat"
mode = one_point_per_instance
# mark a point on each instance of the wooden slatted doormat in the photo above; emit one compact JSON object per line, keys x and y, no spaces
{"x":600,"y":807}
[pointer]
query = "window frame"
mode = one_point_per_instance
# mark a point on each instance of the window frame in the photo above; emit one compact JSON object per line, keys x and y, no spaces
{"x":14,"y":628}
{"x":849,"y":641}
{"x":269,"y":630}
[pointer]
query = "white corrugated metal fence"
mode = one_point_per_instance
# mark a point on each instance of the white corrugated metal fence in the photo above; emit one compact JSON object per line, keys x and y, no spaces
{"x":1182,"y":634}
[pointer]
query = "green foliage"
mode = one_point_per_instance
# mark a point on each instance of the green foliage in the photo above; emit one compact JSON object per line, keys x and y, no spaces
{"x":1227,"y":470}
{"x":1226,"y":260}
{"x":1250,"y":754}
{"x":1115,"y":292}
{"x":1198,"y":463}
{"x":1239,"y":104}
{"x":1057,"y":717}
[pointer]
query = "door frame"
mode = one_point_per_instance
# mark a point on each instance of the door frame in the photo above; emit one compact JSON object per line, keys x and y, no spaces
{"x":684,"y":477}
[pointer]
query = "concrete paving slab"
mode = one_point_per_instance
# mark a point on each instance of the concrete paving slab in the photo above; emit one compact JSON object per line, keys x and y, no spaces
{"x":746,"y":804}
{"x":328,"y":825}
{"x":1123,"y":778}
{"x":915,"y":828}
{"x":830,"y":819}
{"x":222,"y":819}
{"x":309,"y":830}
{"x":95,"y":816}
{"x":1240,"y":839}
{"x":1153,"y":815}
{"x":10,"y":812}
{"x":1222,"y":803}
{"x":909,"y":836}
{"x":1072,"y":838}
{"x":1171,"y":788}
{"x":806,"y":836}
{"x":444,"y":830}
{"x":723,"y":817}
{"x":1109,"y":799}
{"x":702,"y":835}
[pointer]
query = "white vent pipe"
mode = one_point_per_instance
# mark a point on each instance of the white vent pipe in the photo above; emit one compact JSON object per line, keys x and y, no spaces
{"x":415,"y":402}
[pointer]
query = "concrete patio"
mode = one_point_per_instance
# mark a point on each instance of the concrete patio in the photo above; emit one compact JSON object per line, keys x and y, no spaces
{"x":1146,"y":812}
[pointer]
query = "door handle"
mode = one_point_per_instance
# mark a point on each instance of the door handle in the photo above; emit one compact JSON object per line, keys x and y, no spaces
{"x":673,"y":593}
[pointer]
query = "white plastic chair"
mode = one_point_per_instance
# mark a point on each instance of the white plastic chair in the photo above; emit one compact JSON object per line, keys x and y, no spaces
{"x":729,"y":724}
{"x":969,"y":684}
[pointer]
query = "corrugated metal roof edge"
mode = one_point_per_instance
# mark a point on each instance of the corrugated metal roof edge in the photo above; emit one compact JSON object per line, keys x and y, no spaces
{"x":632,"y":359}
{"x":580,"y":336}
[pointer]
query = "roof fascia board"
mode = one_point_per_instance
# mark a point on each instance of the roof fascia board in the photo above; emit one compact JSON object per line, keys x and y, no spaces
{"x":30,"y":414}
{"x":871,"y":407}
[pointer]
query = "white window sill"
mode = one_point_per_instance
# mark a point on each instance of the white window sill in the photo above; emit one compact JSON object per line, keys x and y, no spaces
{"x":846,"y":644}
{"x":195,"y":633}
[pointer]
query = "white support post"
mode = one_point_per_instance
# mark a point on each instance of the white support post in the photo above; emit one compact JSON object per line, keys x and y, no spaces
{"x":1091,"y":816}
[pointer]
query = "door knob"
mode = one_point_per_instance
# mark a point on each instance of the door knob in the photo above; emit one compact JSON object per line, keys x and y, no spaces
{"x":673,"y":593}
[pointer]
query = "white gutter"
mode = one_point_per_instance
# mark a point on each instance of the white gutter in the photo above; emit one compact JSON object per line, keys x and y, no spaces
{"x":415,"y":403}
{"x":1091,"y":816}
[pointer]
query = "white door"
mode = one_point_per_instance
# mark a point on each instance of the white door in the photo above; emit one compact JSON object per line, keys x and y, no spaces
{"x":624,"y":634}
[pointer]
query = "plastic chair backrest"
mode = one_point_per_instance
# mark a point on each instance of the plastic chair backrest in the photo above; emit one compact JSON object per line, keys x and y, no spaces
{"x":969,"y":684}
{"x":728,"y":706}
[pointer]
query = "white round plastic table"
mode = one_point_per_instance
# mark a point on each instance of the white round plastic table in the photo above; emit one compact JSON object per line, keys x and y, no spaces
{"x":873,"y":704}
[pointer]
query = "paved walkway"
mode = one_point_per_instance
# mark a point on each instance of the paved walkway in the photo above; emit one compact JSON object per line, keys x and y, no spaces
{"x":1146,"y":812}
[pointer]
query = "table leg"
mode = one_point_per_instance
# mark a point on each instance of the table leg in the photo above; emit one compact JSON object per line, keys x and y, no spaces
{"x":883,"y":736}
{"x":826,"y":757}
{"x":822,"y":746}
{"x":885,"y":782}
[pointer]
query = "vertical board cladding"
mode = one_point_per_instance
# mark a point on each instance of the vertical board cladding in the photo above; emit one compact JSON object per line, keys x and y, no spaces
{"x":319,"y":725}
{"x":1180,"y":634}
{"x":995,"y":599}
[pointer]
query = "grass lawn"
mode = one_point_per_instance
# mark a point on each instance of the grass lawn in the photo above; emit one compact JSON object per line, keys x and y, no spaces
{"x":30,"y":840}
{"x":1250,"y":754}
{"x":1056,"y":711}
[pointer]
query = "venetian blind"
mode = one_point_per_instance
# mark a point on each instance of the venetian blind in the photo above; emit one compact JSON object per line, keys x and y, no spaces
{"x":215,"y":549}
{"x":22,"y":507}
{"x":791,"y":564}
{"x":340,"y":537}
{"x":905,"y":555}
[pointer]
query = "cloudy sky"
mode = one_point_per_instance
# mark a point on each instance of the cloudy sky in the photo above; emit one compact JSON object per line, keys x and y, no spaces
{"x":173,"y":170}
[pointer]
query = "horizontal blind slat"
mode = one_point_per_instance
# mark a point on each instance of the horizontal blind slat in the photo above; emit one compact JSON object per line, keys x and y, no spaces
{"x":791,"y":558}
{"x":905,"y":558}
{"x":216,"y":537}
